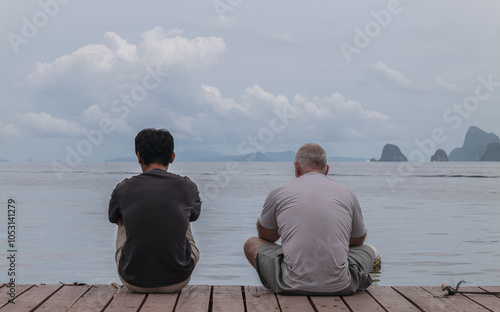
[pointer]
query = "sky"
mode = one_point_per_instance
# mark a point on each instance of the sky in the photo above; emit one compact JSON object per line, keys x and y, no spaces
{"x":79,"y":79}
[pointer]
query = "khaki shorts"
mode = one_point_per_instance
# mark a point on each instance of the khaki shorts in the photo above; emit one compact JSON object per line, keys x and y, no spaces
{"x":268,"y":265}
{"x":121,"y":238}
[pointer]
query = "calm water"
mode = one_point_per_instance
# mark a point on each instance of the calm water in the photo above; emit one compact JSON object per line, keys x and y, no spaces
{"x":431,"y":222}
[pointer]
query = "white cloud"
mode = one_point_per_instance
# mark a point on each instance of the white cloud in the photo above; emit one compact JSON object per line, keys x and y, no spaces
{"x":42,"y":124}
{"x":93,"y":59}
{"x":398,"y":79}
{"x":156,"y":48}
{"x":446,"y":85}
{"x":220,"y":104}
{"x":326,"y":118}
{"x":170,"y":49}
{"x":123,"y":50}
{"x":93,"y":115}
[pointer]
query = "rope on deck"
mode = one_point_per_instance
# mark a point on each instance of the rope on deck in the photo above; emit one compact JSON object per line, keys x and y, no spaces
{"x":450,"y":291}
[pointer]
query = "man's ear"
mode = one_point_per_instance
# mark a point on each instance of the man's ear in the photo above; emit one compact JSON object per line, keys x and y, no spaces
{"x":327,"y":168}
{"x":297,"y":169}
{"x":173,"y":157}
{"x":139,"y":158}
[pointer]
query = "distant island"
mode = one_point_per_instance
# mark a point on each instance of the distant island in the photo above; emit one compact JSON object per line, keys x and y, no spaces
{"x":391,"y":152}
{"x":478,"y":146}
{"x":474,"y":147}
{"x":492,"y":152}
{"x":439,"y":155}
{"x":207,"y":156}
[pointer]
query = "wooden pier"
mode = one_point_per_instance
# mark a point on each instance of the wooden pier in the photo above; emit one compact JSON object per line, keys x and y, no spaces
{"x":206,"y":298}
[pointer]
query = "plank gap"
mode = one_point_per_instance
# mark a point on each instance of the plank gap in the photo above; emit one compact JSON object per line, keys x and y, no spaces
{"x":46,"y":298}
{"x":345,"y":302}
{"x":311,"y":302}
{"x":243,"y":296}
{"x":277,"y":300}
{"x":478,"y":303}
{"x":409,"y":300}
{"x":88,"y":289}
{"x":211,"y":299}
{"x":379,"y":303}
{"x":111,"y":299}
{"x":177,"y":300}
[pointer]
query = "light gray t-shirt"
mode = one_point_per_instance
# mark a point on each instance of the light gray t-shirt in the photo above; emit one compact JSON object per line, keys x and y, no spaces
{"x":315,"y":217}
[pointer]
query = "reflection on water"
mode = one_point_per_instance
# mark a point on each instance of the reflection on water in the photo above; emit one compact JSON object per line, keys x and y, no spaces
{"x":440,"y":224}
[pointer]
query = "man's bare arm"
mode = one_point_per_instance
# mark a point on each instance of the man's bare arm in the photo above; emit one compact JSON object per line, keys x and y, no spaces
{"x":357,"y":241}
{"x":267,"y":234}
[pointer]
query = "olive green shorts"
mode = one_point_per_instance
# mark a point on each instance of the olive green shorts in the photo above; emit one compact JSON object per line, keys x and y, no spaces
{"x":268,"y":265}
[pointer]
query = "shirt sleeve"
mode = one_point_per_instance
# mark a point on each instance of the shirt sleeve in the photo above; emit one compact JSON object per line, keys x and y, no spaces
{"x":195,"y":213}
{"x":268,"y":216}
{"x":114,"y":212}
{"x":358,"y":224}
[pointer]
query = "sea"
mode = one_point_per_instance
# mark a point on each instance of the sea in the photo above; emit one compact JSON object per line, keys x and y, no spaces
{"x":431,"y":222}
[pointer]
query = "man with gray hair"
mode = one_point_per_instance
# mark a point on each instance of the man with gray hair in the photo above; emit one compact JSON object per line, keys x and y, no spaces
{"x":322,"y":231}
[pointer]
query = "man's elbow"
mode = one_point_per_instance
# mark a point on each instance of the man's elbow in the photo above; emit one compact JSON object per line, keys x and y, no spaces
{"x":357,"y":241}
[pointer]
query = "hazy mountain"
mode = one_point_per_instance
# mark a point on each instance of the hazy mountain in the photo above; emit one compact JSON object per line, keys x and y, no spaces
{"x":439,"y":155}
{"x":475,"y":143}
{"x":492,"y":152}
{"x":391,"y":152}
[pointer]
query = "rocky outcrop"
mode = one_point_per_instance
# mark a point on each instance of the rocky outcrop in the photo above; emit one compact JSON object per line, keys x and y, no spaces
{"x":392,"y":153}
{"x":439,"y":155}
{"x":475,"y":143}
{"x":492,"y":152}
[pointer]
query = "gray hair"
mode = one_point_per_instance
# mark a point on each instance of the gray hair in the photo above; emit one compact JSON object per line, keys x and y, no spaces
{"x":311,"y":156}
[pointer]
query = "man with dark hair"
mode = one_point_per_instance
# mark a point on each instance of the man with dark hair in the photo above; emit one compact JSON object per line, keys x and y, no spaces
{"x":322,"y":231}
{"x":155,"y":249}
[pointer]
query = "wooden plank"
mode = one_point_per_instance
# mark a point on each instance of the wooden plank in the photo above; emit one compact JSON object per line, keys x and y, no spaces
{"x":427,"y":301}
{"x":458,"y":300}
{"x":194,"y":298}
{"x":5,"y":292}
{"x":260,"y":299}
{"x":390,"y":299}
{"x":227,"y":299}
{"x":328,"y":303}
{"x":489,"y":301}
{"x":125,"y":300}
{"x":491,"y":288}
{"x":361,"y":301}
{"x":31,"y":299}
{"x":294,"y":303}
{"x":160,"y":302}
{"x":63,"y":299}
{"x":95,"y":299}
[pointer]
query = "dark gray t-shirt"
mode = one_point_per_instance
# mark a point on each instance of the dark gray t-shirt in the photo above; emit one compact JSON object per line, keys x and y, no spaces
{"x":156,"y":207}
{"x":315,"y":218}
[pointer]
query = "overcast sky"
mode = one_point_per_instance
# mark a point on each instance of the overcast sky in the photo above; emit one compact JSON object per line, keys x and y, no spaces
{"x":238,"y":76}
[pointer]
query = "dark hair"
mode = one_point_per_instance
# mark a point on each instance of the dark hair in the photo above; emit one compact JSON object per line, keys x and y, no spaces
{"x":154,"y":146}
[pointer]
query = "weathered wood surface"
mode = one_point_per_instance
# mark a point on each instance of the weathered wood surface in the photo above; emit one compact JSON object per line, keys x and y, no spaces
{"x":206,"y":298}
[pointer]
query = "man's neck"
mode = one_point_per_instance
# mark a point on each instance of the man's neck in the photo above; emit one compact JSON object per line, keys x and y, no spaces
{"x":153,"y":166}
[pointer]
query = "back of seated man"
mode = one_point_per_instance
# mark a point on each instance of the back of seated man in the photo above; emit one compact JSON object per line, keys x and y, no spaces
{"x":322,"y":231}
{"x":155,"y":249}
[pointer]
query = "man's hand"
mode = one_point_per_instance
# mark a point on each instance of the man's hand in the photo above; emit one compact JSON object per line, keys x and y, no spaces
{"x":267,"y":234}
{"x":357,"y":241}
